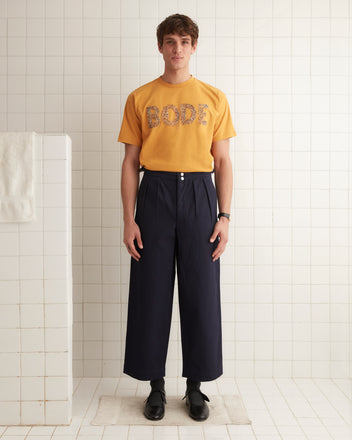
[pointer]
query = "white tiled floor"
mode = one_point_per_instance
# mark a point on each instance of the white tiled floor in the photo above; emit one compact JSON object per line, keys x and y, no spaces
{"x":285,"y":409}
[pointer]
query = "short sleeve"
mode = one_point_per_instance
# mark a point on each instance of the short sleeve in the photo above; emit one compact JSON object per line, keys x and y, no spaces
{"x":130,"y":131}
{"x":223,"y":128}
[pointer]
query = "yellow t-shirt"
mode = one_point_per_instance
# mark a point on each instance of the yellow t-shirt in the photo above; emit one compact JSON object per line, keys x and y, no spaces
{"x":175,"y":124}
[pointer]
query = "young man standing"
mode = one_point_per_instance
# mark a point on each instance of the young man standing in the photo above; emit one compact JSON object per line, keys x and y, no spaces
{"x":177,"y":128}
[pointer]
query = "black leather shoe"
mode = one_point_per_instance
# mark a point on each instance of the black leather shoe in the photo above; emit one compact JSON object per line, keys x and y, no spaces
{"x":155,"y":409}
{"x":197,"y":407}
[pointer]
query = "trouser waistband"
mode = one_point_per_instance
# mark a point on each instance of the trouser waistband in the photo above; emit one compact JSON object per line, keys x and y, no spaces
{"x":173,"y":174}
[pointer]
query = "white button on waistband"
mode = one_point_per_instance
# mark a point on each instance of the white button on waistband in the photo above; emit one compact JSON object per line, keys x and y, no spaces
{"x":182,"y":174}
{"x":182,"y":178}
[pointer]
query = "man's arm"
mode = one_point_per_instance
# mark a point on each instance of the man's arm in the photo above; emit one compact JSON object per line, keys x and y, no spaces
{"x":223,"y":184}
{"x":129,"y":189}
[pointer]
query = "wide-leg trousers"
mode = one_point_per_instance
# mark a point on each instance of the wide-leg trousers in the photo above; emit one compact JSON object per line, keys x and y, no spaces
{"x":176,"y":213}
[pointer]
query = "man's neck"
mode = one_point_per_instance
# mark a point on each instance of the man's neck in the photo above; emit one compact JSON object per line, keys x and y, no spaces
{"x":175,"y":77}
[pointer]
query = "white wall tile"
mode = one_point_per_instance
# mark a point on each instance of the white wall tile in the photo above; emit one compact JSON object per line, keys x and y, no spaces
{"x":340,"y":9}
{"x":130,"y":46}
{"x":31,"y":315}
{"x":9,"y":316}
{"x":55,"y":388}
{"x":16,"y":8}
{"x":54,"y":291}
{"x":148,"y":9}
{"x":32,"y":339}
{"x":111,"y":8}
{"x":31,"y":267}
{"x":55,"y":339}
{"x":10,"y":413}
{"x":35,"y":8}
{"x":9,"y":388}
{"x":130,"y":9}
{"x":56,"y":315}
{"x":8,"y":244}
{"x":56,"y":363}
{"x":32,"y":388}
{"x":56,"y":411}
{"x":32,"y":412}
{"x":9,"y":340}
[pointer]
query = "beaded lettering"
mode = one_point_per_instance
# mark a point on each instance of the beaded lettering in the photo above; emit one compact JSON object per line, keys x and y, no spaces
{"x":171,"y":115}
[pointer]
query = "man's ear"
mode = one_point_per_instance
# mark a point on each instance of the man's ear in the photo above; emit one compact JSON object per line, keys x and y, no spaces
{"x":194,"y":47}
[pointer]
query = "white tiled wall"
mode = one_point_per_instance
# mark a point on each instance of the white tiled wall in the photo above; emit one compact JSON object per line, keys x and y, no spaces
{"x":67,"y":66}
{"x":36,"y":298}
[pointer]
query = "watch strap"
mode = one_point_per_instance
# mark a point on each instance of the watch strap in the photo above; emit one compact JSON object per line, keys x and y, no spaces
{"x":224,"y":214}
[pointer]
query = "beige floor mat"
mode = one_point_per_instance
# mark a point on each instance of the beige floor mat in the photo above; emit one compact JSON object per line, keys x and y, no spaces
{"x":128,"y":410}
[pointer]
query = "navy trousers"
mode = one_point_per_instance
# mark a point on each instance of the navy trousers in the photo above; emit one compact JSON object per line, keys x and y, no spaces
{"x":176,"y":213}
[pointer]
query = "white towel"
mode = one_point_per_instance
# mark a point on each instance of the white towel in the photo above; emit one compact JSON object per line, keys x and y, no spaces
{"x":17,"y":202}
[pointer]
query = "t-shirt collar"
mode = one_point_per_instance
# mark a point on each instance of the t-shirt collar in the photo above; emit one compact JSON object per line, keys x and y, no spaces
{"x":182,"y":84}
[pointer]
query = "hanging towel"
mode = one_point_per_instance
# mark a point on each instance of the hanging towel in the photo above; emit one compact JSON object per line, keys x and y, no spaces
{"x":17,"y":177}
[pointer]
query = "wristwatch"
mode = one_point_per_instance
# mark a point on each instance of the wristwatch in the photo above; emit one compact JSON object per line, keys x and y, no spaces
{"x":224,"y":214}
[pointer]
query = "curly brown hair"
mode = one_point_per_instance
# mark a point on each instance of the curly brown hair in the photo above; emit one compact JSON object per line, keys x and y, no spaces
{"x":177,"y":24}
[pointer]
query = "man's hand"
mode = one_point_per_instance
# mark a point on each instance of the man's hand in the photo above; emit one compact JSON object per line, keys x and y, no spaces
{"x":221,"y":229}
{"x":131,"y":232}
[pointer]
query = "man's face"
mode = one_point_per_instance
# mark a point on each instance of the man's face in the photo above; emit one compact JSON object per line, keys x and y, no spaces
{"x":177,"y":50}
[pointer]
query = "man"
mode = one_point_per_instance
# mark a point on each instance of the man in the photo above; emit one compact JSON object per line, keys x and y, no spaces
{"x":177,"y":128}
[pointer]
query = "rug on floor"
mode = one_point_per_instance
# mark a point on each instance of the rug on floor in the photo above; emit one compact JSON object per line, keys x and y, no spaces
{"x":128,"y":410}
